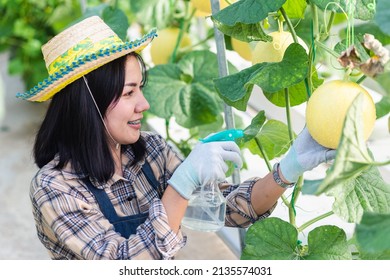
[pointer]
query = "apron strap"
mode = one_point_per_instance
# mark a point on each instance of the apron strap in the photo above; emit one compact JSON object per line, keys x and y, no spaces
{"x":103,"y":200}
{"x":124,"y":225}
{"x":147,"y":170}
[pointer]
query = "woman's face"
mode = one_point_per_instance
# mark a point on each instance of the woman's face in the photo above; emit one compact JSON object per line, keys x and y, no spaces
{"x":123,"y":119}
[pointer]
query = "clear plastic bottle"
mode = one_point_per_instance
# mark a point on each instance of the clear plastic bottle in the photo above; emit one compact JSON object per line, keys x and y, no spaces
{"x":206,"y":209}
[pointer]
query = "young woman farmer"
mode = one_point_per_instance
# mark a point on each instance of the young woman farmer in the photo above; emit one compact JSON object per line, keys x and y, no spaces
{"x":107,"y":190}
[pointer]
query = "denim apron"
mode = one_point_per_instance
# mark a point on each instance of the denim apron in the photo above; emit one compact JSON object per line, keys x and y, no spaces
{"x":124,"y":225}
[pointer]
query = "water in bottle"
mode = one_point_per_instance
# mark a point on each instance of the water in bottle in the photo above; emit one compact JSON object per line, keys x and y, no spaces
{"x":206,"y":209}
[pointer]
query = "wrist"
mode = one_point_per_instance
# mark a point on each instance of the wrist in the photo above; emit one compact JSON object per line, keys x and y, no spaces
{"x":279,"y":178}
{"x":289,"y":166}
{"x":283,"y":178}
{"x":184,"y":180}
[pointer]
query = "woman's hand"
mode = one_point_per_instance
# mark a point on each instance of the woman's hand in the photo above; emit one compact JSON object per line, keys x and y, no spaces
{"x":205,"y":163}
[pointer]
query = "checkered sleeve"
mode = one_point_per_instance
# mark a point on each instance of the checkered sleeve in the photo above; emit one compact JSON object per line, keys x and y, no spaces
{"x":167,"y":241}
{"x":239,"y":209}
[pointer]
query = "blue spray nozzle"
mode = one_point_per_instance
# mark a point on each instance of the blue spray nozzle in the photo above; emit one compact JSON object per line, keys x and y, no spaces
{"x":225,"y":135}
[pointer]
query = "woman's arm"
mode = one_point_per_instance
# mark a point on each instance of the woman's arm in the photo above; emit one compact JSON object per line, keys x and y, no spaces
{"x":175,"y":206}
{"x":265,"y":194}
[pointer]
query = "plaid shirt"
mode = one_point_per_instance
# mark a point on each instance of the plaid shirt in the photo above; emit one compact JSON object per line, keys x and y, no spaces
{"x":71,"y":226}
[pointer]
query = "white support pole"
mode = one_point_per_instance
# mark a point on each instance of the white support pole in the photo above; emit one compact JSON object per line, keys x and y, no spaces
{"x":223,"y":71}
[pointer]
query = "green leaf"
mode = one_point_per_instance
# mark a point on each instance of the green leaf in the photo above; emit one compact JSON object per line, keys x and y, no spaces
{"x":295,"y":8}
{"x":383,"y":107}
{"x":244,"y":32}
{"x":201,"y":131}
{"x":273,"y":138}
{"x":253,"y":129}
{"x":185,"y":90}
{"x":311,"y":186}
{"x":384,"y":81}
{"x":270,"y":239}
{"x":235,"y":89}
{"x":290,"y":71}
{"x":385,"y":255}
{"x":15,"y":65}
{"x":117,"y":20}
{"x":32,"y":48}
{"x":327,"y":243}
{"x":366,"y":192}
{"x":363,"y":9}
{"x":65,"y":14}
{"x":372,"y":235}
{"x":297,"y":93}
{"x":247,"y":11}
{"x":382,"y":16}
{"x":23,"y":29}
{"x":161,"y":91}
{"x":93,"y":11}
{"x":153,"y":12}
{"x":241,"y":20}
{"x":371,"y":28}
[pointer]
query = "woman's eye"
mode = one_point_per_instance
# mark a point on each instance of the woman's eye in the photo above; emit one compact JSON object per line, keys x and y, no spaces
{"x":128,"y":93}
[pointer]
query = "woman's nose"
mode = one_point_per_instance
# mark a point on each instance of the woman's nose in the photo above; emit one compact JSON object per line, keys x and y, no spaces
{"x":143,"y":104}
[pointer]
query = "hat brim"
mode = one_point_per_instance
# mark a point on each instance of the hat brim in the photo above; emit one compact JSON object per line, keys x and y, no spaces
{"x":56,"y":82}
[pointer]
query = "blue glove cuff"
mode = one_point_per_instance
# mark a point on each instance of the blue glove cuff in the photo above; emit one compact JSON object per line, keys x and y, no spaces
{"x":290,"y":167}
{"x":181,"y":180}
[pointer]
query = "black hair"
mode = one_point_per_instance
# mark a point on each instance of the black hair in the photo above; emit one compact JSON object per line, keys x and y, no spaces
{"x":73,"y":129}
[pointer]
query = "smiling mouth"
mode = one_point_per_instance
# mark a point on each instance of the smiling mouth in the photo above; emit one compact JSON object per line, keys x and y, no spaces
{"x":135,"y":122}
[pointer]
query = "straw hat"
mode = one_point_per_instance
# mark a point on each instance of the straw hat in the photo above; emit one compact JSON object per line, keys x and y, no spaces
{"x":78,"y":50}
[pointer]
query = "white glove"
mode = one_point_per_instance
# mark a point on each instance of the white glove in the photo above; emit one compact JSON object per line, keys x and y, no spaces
{"x":204,"y":164}
{"x":304,"y":155}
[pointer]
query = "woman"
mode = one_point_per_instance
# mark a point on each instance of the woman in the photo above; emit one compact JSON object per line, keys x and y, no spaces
{"x":106,"y":190}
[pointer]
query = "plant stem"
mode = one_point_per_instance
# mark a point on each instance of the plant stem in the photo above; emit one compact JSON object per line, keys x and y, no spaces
{"x":290,"y":205}
{"x":326,"y":48}
{"x":183,"y":27}
{"x":312,"y":55}
{"x":289,"y":24}
{"x":330,"y":23}
{"x":291,"y":212}
{"x":379,"y":163}
{"x":316,"y":219}
{"x":198,"y":43}
{"x":288,"y":115}
{"x":294,"y":198}
{"x":316,"y":29}
{"x":265,"y":157}
{"x":116,"y":4}
{"x":361,"y":79}
{"x":167,"y":128}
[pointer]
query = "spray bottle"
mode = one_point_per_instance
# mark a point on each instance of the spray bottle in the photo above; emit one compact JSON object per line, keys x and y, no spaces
{"x":207,"y":206}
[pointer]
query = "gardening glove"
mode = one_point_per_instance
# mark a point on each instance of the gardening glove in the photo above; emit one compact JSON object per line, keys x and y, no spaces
{"x":304,"y":155}
{"x":204,"y":164}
